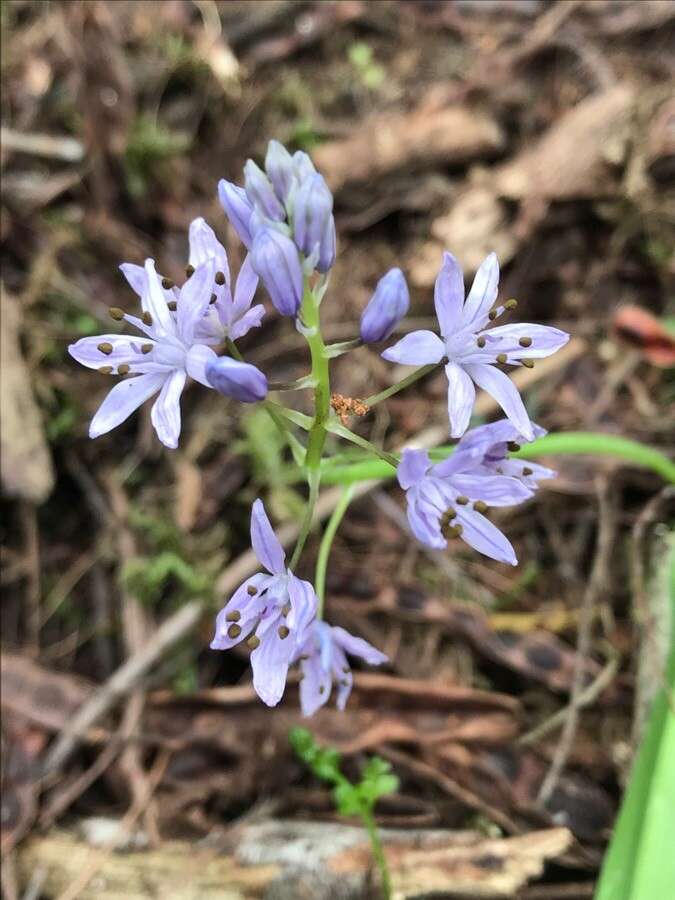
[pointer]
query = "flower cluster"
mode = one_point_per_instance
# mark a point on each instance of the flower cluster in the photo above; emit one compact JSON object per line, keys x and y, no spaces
{"x":284,"y":218}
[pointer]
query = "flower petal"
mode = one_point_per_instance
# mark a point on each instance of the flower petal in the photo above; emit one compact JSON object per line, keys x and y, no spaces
{"x":125,"y":350}
{"x":252,"y":318}
{"x":495,"y":490}
{"x":356,"y":646}
{"x":122,"y":400}
{"x":461,"y":397}
{"x":413,"y":467}
{"x":195,"y":296}
{"x":196,"y":360}
{"x":303,"y":605}
{"x":248,"y":606}
{"x":246,"y":286}
{"x":315,"y":685}
{"x":136,"y":276}
{"x":449,"y":295}
{"x":418,"y":348}
{"x":479,"y":533}
{"x":424,"y":522}
{"x":543,"y":341}
{"x":204,"y":245}
{"x":500,"y":386}
{"x":483,"y":293}
{"x":269,"y":662}
{"x":154,"y":302}
{"x":165,"y":412}
{"x":265,"y":543}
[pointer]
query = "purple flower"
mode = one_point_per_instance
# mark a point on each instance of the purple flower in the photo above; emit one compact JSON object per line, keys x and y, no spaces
{"x":491,"y":444}
{"x":236,"y":379}
{"x":313,"y":223}
{"x":323,"y":660}
{"x":228,"y":315}
{"x":385,"y":309}
{"x":472,"y":349}
{"x":275,"y":258}
{"x":271,"y":612}
{"x":238,"y":209}
{"x":161,"y":360}
{"x":280,"y":169}
{"x":449,"y":500}
{"x":260,"y":192}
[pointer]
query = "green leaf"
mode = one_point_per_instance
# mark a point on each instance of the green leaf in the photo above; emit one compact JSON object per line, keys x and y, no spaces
{"x":640,"y":861}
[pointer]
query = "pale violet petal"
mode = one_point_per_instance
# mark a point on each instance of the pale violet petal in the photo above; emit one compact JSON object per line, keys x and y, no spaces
{"x":195,"y":296}
{"x":196,"y":360}
{"x":419,"y":348}
{"x":495,"y":490}
{"x":246,"y":286}
{"x":136,"y":276}
{"x":356,"y":646}
{"x":154,"y":302}
{"x":303,"y":605}
{"x":500,"y":386}
{"x":269,"y":662}
{"x":315,"y":685}
{"x":479,"y":533}
{"x":249,"y":607}
{"x":166,"y":409}
{"x":265,"y":543}
{"x":122,"y":400}
{"x":252,"y":318}
{"x":483,"y":293}
{"x":449,"y":295}
{"x":461,"y":397}
{"x":413,"y":467}
{"x":204,"y":245}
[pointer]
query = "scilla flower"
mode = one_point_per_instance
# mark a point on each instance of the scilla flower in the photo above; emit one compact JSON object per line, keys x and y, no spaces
{"x":159,"y":361}
{"x":388,"y":305}
{"x":472,"y":349}
{"x":323,"y":661}
{"x":448,"y":500}
{"x":270,"y":612}
{"x":491,"y":444}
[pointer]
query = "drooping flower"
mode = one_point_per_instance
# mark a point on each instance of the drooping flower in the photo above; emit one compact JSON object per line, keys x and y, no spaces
{"x":450,"y":500}
{"x":472,"y":348}
{"x":323,"y":661}
{"x":491,"y":445}
{"x":236,"y":379}
{"x":161,"y":359}
{"x":388,"y":305}
{"x":284,"y":215}
{"x":229,"y":314}
{"x":271,"y":612}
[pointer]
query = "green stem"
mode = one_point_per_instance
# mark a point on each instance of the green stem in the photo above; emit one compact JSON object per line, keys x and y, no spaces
{"x":344,"y":432}
{"x":327,"y":543}
{"x":572,"y":443}
{"x":317,"y":434}
{"x":378,"y":851}
{"x":400,"y":385}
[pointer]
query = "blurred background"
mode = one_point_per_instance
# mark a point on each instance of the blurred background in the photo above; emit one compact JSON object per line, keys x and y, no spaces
{"x":544,"y":131}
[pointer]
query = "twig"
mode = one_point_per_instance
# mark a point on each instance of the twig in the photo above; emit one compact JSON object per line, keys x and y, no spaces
{"x":606,"y":530}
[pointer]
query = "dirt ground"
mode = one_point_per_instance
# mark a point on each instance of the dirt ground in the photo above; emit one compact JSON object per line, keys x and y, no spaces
{"x":515,"y":698}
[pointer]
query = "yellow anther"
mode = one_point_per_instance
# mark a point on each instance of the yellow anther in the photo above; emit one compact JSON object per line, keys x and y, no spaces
{"x":105,"y":370}
{"x":253,"y":642}
{"x":116,"y":313}
{"x":501,"y":357}
{"x":480,"y":506}
{"x":123,"y":369}
{"x":106,"y":348}
{"x":283,"y":631}
{"x":234,"y":631}
{"x":146,"y":318}
{"x":146,"y":348}
{"x":525,"y":341}
{"x":233,"y":616}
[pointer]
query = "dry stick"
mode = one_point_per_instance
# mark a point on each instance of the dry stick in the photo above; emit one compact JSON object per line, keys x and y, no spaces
{"x":181,"y":622}
{"x":603,"y":551}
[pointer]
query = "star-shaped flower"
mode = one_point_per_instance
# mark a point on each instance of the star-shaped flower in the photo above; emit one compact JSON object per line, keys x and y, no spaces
{"x":472,"y":348}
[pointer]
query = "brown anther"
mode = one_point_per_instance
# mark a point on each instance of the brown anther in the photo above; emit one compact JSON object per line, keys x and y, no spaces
{"x":173,"y":306}
{"x":527,"y":471}
{"x":283,"y":631}
{"x":453,"y":531}
{"x":285,"y":609}
{"x":510,"y":304}
{"x":499,"y":470}
{"x":213,"y":299}
{"x":513,"y":446}
{"x":462,"y":500}
{"x":253,"y":642}
{"x":501,"y":357}
{"x":116,"y":313}
{"x":146,"y":318}
{"x":528,"y":363}
{"x":234,"y":631}
{"x":105,"y":348}
{"x":167,"y":284}
{"x":303,"y":658}
{"x":481,"y":341}
{"x":492,"y":315}
{"x":220,"y":278}
{"x":480,"y":506}
{"x":322,"y":688}
{"x":448,"y":515}
{"x":525,"y":341}
{"x":123,"y":369}
{"x":346,"y":670}
{"x":146,"y":348}
{"x":105,"y":370}
{"x":189,"y":271}
{"x":251,"y":590}
{"x":233,"y":616}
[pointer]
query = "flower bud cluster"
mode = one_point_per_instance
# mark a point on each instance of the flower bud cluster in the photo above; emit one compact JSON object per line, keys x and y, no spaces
{"x":284,"y":215}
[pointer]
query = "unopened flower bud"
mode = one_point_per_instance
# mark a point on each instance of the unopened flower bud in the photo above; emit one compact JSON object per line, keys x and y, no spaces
{"x":313,"y":224}
{"x":280,"y":169}
{"x":303,"y":165}
{"x":388,"y":305}
{"x":261,"y":193}
{"x":275,"y":259}
{"x":239,"y":380}
{"x":238,"y":209}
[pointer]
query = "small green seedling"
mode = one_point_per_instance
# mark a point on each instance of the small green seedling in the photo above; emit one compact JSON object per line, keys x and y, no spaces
{"x":377,"y":780}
